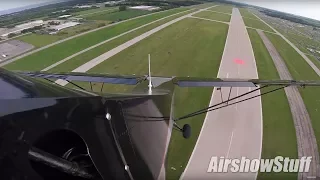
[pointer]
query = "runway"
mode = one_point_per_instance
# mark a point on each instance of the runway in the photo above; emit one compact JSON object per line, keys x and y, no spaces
{"x":106,"y":41}
{"x":103,"y":57}
{"x":69,"y":38}
{"x":234,"y":131}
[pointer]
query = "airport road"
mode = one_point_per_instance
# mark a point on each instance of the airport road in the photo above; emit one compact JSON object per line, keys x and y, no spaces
{"x":234,"y":131}
{"x":94,"y":62}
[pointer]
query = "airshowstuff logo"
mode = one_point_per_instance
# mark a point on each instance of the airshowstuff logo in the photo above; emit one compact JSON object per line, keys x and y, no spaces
{"x":278,"y":164}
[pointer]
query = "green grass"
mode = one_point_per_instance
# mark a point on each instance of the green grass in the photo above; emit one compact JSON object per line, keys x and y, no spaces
{"x":91,"y":11}
{"x":245,"y":13}
{"x":214,"y":16}
{"x":279,"y":138}
{"x":256,"y":24}
{"x":222,"y":8}
{"x":302,"y":42}
{"x":170,"y":48}
{"x":46,"y":57}
{"x":175,"y":51}
{"x":300,"y":70}
{"x":314,"y":60}
{"x":117,"y":15}
{"x":201,"y":6}
{"x":87,"y":56}
{"x":40,"y":40}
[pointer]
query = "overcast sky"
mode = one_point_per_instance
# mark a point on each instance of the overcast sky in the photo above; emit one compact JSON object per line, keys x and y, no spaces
{"x":306,"y":8}
{"x":10,"y":4}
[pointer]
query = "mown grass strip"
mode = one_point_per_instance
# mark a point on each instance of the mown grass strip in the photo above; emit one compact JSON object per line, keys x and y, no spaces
{"x":213,"y":15}
{"x":97,"y":10}
{"x":223,"y":8}
{"x":279,"y":137}
{"x":46,"y":57}
{"x":40,"y":40}
{"x":300,"y":70}
{"x":201,"y":6}
{"x":246,"y":14}
{"x":117,"y":15}
{"x":315,"y":60}
{"x":256,"y":24}
{"x":174,"y":50}
{"x":91,"y":54}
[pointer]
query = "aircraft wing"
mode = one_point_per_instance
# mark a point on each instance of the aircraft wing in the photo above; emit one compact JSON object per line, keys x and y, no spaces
{"x":179,"y":81}
{"x":221,"y":82}
{"x":85,"y":77}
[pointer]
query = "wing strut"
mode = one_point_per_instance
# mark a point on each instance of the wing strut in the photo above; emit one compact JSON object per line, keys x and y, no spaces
{"x":150,"y":81}
{"x":229,"y":95}
{"x":214,"y":107}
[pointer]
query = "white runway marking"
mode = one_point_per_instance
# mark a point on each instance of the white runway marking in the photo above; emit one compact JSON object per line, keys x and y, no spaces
{"x":96,"y":61}
{"x":230,"y":143}
{"x":242,"y":122}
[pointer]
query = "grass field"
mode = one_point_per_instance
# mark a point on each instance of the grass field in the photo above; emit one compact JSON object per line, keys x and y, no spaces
{"x":44,"y":58}
{"x":256,"y":24}
{"x":39,"y":40}
{"x":279,"y":137}
{"x":87,"y":56}
{"x":171,"y":49}
{"x":245,"y":13}
{"x":300,"y":70}
{"x":222,"y":8}
{"x":93,"y":11}
{"x":201,"y":6}
{"x":214,"y":16}
{"x":314,"y":60}
{"x":302,"y":42}
{"x":117,"y":15}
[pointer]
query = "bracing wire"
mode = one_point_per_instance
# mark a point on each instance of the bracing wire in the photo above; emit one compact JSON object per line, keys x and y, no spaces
{"x":208,"y":109}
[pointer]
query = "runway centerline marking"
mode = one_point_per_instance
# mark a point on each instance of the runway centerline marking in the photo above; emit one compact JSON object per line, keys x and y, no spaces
{"x":230,"y":143}
{"x":237,"y":95}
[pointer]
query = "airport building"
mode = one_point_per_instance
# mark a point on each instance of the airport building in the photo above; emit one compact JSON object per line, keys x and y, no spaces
{"x":64,"y":16}
{"x":63,"y":26}
{"x":17,"y":29}
{"x":148,"y":8}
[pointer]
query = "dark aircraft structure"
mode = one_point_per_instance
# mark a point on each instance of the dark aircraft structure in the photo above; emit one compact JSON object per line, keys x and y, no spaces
{"x":51,"y":132}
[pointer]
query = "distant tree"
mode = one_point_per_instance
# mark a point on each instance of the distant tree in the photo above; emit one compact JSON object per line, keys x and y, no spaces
{"x":11,"y":35}
{"x":61,"y":33}
{"x":53,"y":23}
{"x":122,"y":8}
{"x":101,"y":24}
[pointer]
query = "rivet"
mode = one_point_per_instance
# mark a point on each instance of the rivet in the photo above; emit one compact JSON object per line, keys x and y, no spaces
{"x":108,"y":116}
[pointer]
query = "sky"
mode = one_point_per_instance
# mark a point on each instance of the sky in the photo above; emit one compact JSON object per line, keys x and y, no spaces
{"x":10,"y":4}
{"x":306,"y":8}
